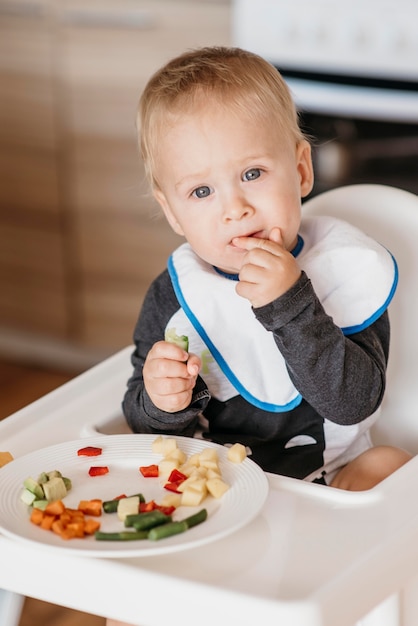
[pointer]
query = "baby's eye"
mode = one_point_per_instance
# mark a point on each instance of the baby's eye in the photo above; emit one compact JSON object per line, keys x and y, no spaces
{"x":201,"y":192}
{"x":252,"y":174}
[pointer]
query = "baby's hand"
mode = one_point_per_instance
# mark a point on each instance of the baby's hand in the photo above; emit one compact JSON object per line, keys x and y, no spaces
{"x":268,"y":269}
{"x":170,"y":375}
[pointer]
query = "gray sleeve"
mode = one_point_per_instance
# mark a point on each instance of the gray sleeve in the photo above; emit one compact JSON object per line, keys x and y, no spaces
{"x":141,"y":414}
{"x":341,"y":377}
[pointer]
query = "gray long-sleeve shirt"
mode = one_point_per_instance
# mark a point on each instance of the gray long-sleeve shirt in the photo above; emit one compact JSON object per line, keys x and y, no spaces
{"x":341,"y":380}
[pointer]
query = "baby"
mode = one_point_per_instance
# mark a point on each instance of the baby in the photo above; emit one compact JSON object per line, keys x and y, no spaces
{"x":286,"y":317}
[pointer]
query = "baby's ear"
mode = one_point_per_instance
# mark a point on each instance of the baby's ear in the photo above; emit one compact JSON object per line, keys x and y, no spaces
{"x":305,"y":167}
{"x":170,"y":217}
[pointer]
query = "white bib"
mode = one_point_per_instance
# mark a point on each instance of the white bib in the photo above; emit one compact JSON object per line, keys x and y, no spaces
{"x":353,"y":276}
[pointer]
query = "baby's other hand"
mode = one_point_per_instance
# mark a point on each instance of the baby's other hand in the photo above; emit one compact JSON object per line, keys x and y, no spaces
{"x":170,"y":375}
{"x":268,"y":269}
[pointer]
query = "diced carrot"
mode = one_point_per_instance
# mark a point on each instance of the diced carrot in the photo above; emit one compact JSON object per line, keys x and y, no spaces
{"x":68,"y":533}
{"x":90,"y":526}
{"x":77,"y":527}
{"x":55,"y":508}
{"x":36,"y":516}
{"x":91,"y":507}
{"x":47,"y":521}
{"x":58,"y":527}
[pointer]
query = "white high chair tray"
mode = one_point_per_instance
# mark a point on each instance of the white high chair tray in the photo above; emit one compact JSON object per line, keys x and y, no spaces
{"x":309,"y":552}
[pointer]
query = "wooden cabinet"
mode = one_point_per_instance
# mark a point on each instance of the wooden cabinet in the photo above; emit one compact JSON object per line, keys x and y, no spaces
{"x":83,"y":237}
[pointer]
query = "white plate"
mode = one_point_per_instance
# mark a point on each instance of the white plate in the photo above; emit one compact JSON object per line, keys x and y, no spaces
{"x":123,"y":454}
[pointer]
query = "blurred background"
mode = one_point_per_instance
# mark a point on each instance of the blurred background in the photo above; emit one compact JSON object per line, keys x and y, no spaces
{"x":80,"y":238}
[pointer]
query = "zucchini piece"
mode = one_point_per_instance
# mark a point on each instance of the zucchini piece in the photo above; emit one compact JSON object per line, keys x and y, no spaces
{"x":54,"y":474}
{"x":67,"y":482}
{"x":182,"y":341}
{"x":33,"y":486}
{"x":55,"y":489}
{"x":40,"y":504}
{"x":28,"y":497}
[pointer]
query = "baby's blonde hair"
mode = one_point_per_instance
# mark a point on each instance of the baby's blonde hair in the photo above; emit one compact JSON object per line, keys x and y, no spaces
{"x":231,"y":76}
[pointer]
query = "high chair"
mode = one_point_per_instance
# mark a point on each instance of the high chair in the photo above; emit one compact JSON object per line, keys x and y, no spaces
{"x":390,"y":216}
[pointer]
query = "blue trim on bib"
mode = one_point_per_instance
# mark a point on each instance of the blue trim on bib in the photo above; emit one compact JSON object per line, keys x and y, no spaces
{"x":351,"y":330}
{"x":266,"y":406}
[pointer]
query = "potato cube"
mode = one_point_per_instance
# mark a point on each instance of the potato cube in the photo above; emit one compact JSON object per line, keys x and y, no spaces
{"x":163,"y":445}
{"x":194,"y":459}
{"x":209,"y":464}
{"x":166,"y":466}
{"x":177,"y":455}
{"x":208,"y":454}
{"x":237,"y":453}
{"x":128,"y":506}
{"x":213,"y":473}
{"x":194,"y":481}
{"x":193,"y":497}
{"x":171,"y":499}
{"x":217,"y":487}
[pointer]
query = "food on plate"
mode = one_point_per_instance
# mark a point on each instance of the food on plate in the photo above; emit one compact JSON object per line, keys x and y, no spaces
{"x":182,"y":341}
{"x":127,"y":506}
{"x":48,"y":487}
{"x":194,"y":477}
{"x":237,"y":453}
{"x":111,"y":506}
{"x":161,"y":528}
{"x":98,"y":470}
{"x":149,"y":471}
{"x":5,"y":457}
{"x":89,"y":451}
{"x":65,"y":522}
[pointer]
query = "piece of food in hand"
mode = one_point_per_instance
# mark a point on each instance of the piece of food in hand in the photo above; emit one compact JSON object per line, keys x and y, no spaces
{"x":5,"y":457}
{"x":237,"y":453}
{"x":182,"y":341}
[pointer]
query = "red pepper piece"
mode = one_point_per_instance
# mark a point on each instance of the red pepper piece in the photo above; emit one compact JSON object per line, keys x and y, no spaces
{"x":167,"y":510}
{"x":176,"y":476}
{"x":96,"y":470}
{"x":89,"y":451}
{"x":145,"y":507}
{"x":149,"y":471}
{"x":174,"y":487}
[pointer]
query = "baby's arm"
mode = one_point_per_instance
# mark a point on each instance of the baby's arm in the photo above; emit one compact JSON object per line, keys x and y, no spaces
{"x":141,"y":413}
{"x":343,"y":378}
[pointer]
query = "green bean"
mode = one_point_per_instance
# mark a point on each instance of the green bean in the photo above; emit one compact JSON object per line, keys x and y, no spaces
{"x":175,"y":528}
{"x":167,"y":530}
{"x":126,"y":535}
{"x":145,"y":521}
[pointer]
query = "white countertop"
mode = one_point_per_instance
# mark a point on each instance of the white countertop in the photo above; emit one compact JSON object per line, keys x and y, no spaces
{"x":311,"y":551}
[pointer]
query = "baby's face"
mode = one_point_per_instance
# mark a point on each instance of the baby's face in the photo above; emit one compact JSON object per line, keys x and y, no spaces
{"x":223,"y":176}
